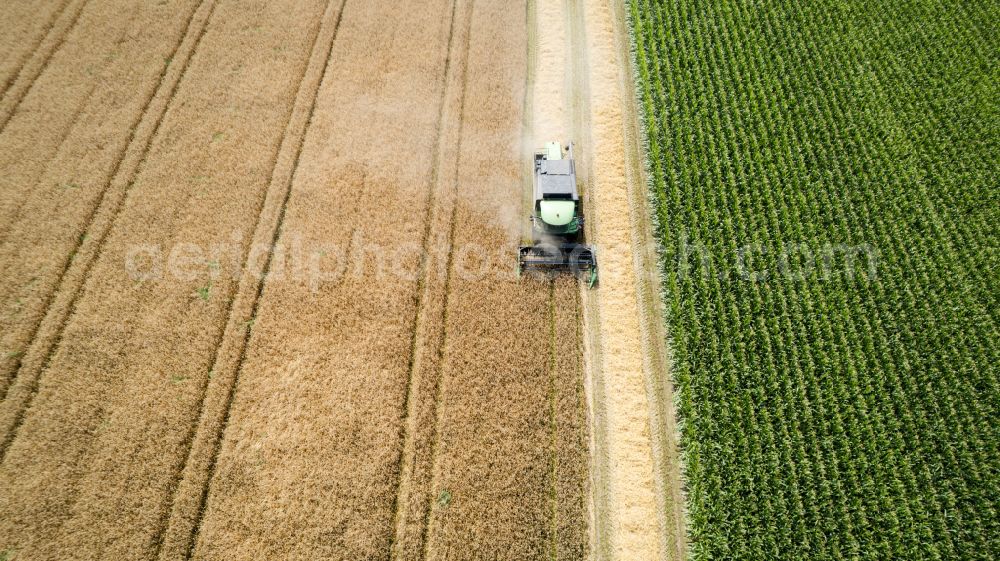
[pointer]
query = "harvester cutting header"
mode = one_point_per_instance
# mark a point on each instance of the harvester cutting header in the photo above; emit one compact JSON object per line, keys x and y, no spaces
{"x":557,"y":219}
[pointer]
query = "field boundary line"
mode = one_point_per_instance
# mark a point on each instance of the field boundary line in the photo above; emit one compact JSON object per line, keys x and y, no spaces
{"x":62,"y":303}
{"x":426,"y":286}
{"x":185,"y":507}
{"x":656,"y":355}
{"x":629,"y":382}
{"x":56,"y":35}
{"x":528,"y":111}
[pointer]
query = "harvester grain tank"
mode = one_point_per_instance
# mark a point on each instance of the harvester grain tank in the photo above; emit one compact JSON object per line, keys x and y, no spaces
{"x":557,"y":218}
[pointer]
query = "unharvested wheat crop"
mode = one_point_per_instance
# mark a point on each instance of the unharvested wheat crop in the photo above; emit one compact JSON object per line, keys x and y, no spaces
{"x":234,"y":407}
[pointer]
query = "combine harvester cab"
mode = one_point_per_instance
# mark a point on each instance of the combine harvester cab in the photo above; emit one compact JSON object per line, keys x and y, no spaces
{"x":557,"y":219}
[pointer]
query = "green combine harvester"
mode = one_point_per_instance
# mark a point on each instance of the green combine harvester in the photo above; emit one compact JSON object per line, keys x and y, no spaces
{"x":557,"y":219}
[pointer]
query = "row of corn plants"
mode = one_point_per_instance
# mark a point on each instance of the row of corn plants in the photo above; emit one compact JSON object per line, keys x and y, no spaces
{"x":826,"y":188}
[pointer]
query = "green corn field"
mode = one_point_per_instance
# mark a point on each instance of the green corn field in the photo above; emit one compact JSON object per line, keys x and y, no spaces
{"x":826,"y":184}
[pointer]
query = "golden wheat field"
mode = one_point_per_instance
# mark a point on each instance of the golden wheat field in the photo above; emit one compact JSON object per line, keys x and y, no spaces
{"x":259,"y":294}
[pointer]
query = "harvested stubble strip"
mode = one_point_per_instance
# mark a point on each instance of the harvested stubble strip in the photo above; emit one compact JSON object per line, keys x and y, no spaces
{"x":91,"y":469}
{"x":550,"y":114}
{"x":77,"y":138}
{"x":309,"y":463}
{"x":24,"y":25}
{"x":493,"y":482}
{"x":638,"y":502}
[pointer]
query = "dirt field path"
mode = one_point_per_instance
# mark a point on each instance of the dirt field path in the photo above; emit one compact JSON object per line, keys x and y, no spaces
{"x":637,"y":500}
